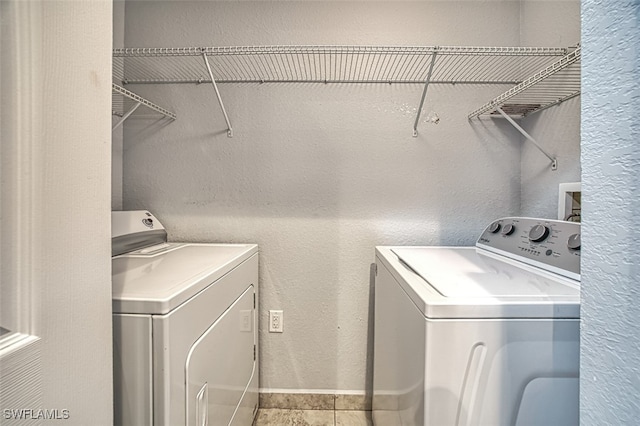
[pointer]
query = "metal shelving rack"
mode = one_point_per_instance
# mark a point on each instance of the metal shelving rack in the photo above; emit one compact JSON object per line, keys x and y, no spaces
{"x":555,"y":84}
{"x":332,"y":64}
{"x":124,"y":103}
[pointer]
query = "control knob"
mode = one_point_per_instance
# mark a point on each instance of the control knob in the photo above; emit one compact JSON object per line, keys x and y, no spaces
{"x":508,"y":229}
{"x":494,"y":227}
{"x":574,"y":242}
{"x":538,"y":233}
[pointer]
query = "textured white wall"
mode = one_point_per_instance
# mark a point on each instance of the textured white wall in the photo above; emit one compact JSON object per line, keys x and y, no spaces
{"x":74,"y":320}
{"x":557,"y":129}
{"x":610,"y":354}
{"x":318,"y":175}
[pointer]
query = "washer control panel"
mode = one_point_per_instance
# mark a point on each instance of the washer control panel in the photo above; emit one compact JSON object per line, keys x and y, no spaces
{"x":551,"y":244}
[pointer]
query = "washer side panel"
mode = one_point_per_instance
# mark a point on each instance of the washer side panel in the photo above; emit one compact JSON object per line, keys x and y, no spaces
{"x":399,"y":355}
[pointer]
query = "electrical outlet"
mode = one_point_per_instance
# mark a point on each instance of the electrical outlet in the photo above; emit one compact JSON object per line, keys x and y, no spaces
{"x":276,"y":321}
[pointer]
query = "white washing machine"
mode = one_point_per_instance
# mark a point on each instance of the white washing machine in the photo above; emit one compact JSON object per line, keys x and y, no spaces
{"x":184,"y":326}
{"x":483,"y":336}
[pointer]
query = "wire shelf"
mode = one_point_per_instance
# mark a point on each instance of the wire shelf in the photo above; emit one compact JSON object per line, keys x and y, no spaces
{"x":555,"y":84}
{"x":332,"y":64}
{"x":559,"y":80}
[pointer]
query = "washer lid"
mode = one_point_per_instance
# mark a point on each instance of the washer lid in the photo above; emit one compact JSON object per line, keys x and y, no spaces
{"x":466,"y":282}
{"x":156,"y":282}
{"x":472,"y":274}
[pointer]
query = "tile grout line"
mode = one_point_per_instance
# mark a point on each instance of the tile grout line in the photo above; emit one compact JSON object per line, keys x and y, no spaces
{"x":335,"y":420}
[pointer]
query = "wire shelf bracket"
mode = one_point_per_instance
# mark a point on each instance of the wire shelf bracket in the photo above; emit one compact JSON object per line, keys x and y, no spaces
{"x":555,"y":84}
{"x":215,"y":87}
{"x":125,"y":116}
{"x":424,"y":94}
{"x":554,"y":161}
{"x":118,"y":105}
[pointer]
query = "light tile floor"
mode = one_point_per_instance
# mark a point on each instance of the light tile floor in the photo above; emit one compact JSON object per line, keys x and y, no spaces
{"x":286,"y":417}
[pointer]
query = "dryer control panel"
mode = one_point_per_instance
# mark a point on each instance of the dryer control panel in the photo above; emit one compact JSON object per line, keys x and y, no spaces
{"x":133,"y":230}
{"x":553,"y":245}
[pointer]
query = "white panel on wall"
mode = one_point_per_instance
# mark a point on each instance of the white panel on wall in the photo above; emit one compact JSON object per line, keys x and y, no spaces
{"x":318,"y":174}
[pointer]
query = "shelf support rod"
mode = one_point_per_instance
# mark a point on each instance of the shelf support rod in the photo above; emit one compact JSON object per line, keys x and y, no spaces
{"x":554,"y":162}
{"x":215,"y":87}
{"x":124,"y":117}
{"x":424,"y":94}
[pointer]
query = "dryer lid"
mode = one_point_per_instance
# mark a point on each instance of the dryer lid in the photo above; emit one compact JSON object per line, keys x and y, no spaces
{"x":159,"y":281}
{"x":472,"y":274}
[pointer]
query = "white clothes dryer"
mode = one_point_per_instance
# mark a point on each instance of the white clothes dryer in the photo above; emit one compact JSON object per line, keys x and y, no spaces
{"x":184,"y":327}
{"x":480,"y":336}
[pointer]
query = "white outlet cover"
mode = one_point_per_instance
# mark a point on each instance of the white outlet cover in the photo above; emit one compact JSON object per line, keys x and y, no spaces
{"x":276,"y":321}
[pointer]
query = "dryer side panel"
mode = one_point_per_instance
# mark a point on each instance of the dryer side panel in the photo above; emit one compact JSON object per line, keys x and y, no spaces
{"x":132,"y":370}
